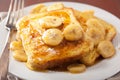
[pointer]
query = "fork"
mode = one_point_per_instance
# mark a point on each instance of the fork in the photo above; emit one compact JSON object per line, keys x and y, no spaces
{"x":14,"y":13}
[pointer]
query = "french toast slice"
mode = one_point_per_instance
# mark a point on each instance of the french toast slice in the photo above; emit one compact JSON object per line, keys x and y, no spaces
{"x":42,"y":56}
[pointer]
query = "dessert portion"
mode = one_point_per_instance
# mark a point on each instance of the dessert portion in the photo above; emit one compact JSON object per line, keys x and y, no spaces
{"x":56,"y":35}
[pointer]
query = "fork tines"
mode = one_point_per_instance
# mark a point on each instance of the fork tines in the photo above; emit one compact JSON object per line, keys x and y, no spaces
{"x":15,"y":12}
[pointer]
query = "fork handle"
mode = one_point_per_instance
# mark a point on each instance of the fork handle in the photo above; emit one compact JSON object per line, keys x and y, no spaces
{"x":4,"y":62}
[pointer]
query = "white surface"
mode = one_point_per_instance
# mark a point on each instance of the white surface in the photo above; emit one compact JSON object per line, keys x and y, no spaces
{"x":100,"y":71}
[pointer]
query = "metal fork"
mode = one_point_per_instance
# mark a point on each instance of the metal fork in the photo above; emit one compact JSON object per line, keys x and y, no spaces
{"x":14,"y":13}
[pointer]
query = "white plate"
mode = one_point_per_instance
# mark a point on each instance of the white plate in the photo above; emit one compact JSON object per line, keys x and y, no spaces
{"x":100,"y":71}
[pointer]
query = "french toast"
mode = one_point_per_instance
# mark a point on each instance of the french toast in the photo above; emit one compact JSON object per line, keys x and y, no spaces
{"x":56,"y":35}
{"x":42,"y":56}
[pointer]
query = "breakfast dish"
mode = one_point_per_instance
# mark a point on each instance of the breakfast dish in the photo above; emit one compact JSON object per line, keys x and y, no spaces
{"x":103,"y":69}
{"x":56,"y":35}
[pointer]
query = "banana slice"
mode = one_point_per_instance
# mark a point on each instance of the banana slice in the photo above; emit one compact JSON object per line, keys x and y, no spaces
{"x":76,"y":68}
{"x":50,"y":22}
{"x":73,"y":32}
{"x":106,"y":49}
{"x":94,"y":35}
{"x":18,"y":51}
{"x":94,"y":23}
{"x":39,"y":8}
{"x":110,"y":30}
{"x":20,"y":55}
{"x":52,"y":37}
{"x":16,"y":45}
{"x":55,"y":6}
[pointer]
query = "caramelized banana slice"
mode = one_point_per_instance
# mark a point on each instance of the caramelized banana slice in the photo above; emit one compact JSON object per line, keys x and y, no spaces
{"x":50,"y":22}
{"x":39,"y":8}
{"x":52,"y":37}
{"x":89,"y":58}
{"x":94,"y":23}
{"x":95,"y":31}
{"x":55,"y":6}
{"x":20,"y":55}
{"x":18,"y":51}
{"x":16,"y":45}
{"x":73,"y":32}
{"x":110,"y":30}
{"x":76,"y":68}
{"x":95,"y":35}
{"x":106,"y":49}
